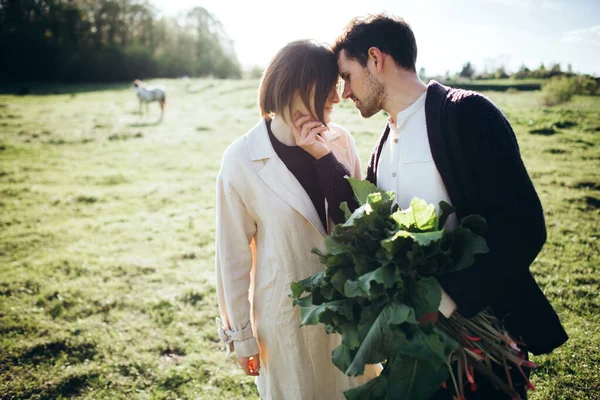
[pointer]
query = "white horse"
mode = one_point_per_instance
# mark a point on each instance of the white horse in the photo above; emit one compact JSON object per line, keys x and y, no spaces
{"x":150,"y":94}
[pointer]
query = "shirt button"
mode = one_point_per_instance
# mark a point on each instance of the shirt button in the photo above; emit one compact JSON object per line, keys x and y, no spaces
{"x":393,"y":174}
{"x":396,"y":140}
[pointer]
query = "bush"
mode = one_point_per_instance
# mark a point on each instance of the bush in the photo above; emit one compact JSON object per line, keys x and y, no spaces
{"x":558,"y":90}
{"x":586,"y":85}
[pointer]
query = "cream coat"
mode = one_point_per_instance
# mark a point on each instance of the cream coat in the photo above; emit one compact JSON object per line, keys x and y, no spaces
{"x":266,"y":228}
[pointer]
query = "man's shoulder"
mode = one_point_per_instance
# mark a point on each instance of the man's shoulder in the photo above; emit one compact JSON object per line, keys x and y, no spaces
{"x":456,"y":100}
{"x":467,"y":98}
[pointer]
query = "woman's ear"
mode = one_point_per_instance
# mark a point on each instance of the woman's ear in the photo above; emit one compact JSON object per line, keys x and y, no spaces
{"x":375,"y":58}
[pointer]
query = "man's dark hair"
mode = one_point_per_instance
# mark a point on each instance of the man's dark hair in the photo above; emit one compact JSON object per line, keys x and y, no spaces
{"x":391,"y":35}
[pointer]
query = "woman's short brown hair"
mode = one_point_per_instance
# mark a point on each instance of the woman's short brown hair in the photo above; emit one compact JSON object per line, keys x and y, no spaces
{"x":300,"y":65}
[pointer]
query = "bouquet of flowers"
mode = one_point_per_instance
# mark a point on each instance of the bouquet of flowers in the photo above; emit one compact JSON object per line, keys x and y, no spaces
{"x":380,"y":278}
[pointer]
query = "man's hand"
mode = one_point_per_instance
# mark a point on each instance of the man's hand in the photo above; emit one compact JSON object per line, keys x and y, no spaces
{"x":306,"y":133}
{"x":250,"y":365}
{"x":429,"y":318}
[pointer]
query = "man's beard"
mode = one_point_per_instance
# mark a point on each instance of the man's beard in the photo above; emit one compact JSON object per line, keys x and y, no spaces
{"x":373,"y":101}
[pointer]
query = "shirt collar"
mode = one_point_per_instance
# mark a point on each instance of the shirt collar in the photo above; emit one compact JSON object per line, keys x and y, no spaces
{"x":408,"y":112}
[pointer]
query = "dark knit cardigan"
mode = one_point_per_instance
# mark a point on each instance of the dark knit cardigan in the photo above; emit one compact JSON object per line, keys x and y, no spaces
{"x":476,"y":153}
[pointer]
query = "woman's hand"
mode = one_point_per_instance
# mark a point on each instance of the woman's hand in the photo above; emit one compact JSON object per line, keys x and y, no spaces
{"x":306,"y":133}
{"x":250,"y":365}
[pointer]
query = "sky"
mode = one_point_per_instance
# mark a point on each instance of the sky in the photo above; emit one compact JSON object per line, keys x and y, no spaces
{"x":487,"y":33}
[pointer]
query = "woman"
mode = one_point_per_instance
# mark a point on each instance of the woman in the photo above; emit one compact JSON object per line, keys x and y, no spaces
{"x":271,"y":211}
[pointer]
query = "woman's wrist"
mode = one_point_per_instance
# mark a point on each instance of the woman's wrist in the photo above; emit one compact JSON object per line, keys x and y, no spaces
{"x":317,"y":152}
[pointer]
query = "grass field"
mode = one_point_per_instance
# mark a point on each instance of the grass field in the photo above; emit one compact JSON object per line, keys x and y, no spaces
{"x":107,"y":239}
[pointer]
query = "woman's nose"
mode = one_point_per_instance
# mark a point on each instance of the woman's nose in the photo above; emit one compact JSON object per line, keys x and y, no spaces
{"x":336,"y":97}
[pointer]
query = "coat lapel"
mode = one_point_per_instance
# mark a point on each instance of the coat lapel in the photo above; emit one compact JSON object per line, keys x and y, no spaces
{"x":278,"y":178}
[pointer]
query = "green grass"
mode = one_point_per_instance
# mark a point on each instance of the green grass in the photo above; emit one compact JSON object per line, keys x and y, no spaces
{"x":107,"y":230}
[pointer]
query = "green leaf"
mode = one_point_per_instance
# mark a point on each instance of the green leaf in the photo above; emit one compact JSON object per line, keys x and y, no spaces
{"x":426,"y":295}
{"x":404,"y":219}
{"x":309,"y":283}
{"x":414,"y":378}
{"x":304,"y":301}
{"x":362,"y":286}
{"x":475,"y":223}
{"x":433,"y":347}
{"x":424,"y":215}
{"x":344,"y":207}
{"x":381,"y":202}
{"x":312,"y":315}
{"x":339,"y":279}
{"x":379,"y":335}
{"x":400,"y":313}
{"x":375,"y":389}
{"x":322,"y":257}
{"x":426,"y":238}
{"x":420,"y":216}
{"x":358,"y":214}
{"x":297,"y":289}
{"x":337,"y":262}
{"x":342,"y":357}
{"x":335,"y":247}
{"x":362,"y":188}
{"x":446,"y":210}
{"x":350,"y":335}
{"x":465,"y":246}
{"x":400,"y":240}
{"x":364,"y":263}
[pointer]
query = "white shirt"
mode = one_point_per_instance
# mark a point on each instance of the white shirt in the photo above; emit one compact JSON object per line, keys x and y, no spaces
{"x":406,"y":166}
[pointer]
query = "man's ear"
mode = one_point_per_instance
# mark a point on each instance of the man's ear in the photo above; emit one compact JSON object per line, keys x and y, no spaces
{"x":375,"y":58}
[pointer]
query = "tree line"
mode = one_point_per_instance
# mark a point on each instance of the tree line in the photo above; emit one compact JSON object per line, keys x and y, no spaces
{"x":109,"y":41}
{"x":555,"y":70}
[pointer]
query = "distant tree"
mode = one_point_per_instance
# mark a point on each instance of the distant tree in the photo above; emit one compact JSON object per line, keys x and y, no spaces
{"x":555,"y":70}
{"x":108,"y":40}
{"x":422,"y":73}
{"x":522,"y":73}
{"x":541,"y":72}
{"x":500,"y":73}
{"x":467,"y":71}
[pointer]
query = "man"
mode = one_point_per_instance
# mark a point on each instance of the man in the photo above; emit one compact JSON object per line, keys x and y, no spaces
{"x":454,"y":145}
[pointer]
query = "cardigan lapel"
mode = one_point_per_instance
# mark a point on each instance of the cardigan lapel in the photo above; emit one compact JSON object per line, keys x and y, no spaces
{"x":376,"y":155}
{"x":278,"y":177}
{"x":435,"y":111}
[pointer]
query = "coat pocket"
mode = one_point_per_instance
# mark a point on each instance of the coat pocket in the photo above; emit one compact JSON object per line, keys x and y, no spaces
{"x":280,"y":309}
{"x":263,"y":295}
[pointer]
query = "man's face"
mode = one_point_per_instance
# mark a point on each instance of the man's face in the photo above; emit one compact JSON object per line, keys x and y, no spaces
{"x":360,"y":86}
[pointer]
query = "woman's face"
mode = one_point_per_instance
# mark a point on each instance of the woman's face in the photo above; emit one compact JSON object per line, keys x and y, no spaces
{"x":333,"y":99}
